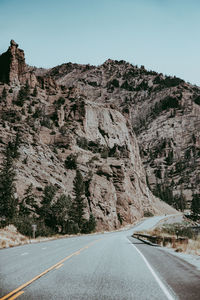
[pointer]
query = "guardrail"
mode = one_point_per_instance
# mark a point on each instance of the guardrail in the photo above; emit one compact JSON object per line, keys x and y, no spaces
{"x":162,"y":241}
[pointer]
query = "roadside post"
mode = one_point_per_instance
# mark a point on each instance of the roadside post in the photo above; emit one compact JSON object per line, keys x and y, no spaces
{"x":34,"y":228}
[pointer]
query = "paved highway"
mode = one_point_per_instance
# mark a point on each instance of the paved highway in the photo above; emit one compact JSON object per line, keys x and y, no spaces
{"x":103,"y":266}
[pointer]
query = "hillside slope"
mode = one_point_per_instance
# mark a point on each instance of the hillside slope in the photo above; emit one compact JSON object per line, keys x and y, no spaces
{"x":164,"y":113}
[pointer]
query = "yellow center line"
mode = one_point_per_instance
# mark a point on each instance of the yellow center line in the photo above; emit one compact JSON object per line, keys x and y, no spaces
{"x":59,"y":266}
{"x":46,"y":271}
{"x":16,"y":295}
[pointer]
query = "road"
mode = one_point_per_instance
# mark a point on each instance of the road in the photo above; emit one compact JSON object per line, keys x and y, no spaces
{"x":102,"y":266}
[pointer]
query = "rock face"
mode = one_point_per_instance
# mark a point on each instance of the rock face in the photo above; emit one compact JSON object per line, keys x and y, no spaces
{"x":12,"y":65}
{"x":164,"y":114}
{"x":75,"y":114}
{"x":117,"y":187}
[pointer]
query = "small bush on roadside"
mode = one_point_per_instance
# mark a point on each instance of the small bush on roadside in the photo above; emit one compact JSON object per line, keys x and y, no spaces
{"x":178,"y":230}
{"x":24,"y":226}
{"x":148,"y":214}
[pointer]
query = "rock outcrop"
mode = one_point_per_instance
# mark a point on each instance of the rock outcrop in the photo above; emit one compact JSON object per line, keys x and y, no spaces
{"x":12,"y":65}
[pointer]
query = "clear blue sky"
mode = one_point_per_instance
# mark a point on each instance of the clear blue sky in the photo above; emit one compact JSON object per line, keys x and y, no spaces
{"x":163,"y":35}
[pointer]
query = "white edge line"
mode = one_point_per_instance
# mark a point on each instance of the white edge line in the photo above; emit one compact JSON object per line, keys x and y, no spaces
{"x":162,"y":286}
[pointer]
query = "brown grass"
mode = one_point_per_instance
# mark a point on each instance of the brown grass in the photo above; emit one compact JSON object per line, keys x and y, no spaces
{"x":3,"y":244}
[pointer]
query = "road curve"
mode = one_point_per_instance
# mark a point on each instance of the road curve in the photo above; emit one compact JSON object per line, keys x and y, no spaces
{"x":102,"y":266}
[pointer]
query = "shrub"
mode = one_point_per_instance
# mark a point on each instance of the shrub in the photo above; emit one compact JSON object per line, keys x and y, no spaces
{"x":197,"y":100}
{"x":82,"y":143}
{"x":120,"y":219}
{"x":169,"y":102}
{"x":46,"y":122}
{"x":178,"y":230}
{"x":34,"y":92}
{"x":60,"y":102}
{"x":4,"y":94}
{"x":104,"y":152}
{"x":71,"y":162}
{"x":24,"y":225}
{"x":148,"y":213}
{"x":90,"y":225}
{"x":23,"y":95}
{"x":169,"y":158}
{"x":38,"y":113}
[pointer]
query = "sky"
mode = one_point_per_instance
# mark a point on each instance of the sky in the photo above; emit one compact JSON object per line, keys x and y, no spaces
{"x":162,"y":35}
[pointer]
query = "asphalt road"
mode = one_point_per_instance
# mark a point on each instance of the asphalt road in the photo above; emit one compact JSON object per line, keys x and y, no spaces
{"x":104,"y":266}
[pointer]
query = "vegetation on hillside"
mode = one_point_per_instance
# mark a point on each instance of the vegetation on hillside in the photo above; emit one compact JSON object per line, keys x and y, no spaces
{"x":56,"y":213}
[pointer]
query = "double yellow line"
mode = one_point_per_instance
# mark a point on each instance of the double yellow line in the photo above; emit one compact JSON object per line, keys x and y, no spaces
{"x":18,"y":291}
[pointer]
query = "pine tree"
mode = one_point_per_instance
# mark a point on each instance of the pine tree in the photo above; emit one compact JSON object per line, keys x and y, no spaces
{"x":89,"y":225}
{"x":8,"y":203}
{"x":16,"y":146}
{"x":45,"y":210}
{"x":23,"y":94}
{"x":27,"y":89}
{"x":195,"y":206}
{"x":77,"y":208}
{"x":4,"y":94}
{"x":28,"y":203}
{"x":60,"y":211}
{"x":35,"y":92}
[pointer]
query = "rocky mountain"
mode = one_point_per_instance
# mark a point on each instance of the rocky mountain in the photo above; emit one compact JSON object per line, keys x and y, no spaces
{"x":164,"y":113}
{"x":84,"y":117}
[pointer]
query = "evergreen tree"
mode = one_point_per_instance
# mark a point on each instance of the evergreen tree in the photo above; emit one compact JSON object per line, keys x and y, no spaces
{"x":71,"y":162}
{"x":28,"y":203}
{"x":77,"y":208}
{"x":169,"y":158}
{"x":4,"y":94}
{"x":35,"y":92}
{"x":89,"y":225}
{"x":195,"y":206}
{"x":8,"y":203}
{"x":16,"y":146}
{"x":60,"y":212}
{"x":23,"y":94}
{"x":27,"y":89}
{"x":179,"y":202}
{"x":45,"y":210}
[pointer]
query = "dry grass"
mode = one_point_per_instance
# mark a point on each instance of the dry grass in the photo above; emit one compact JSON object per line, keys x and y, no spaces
{"x":9,"y":237}
{"x":194,"y":246}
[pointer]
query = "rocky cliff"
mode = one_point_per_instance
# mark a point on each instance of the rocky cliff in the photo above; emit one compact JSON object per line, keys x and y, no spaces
{"x":74,"y":113}
{"x":12,"y":65}
{"x":164,"y":114}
